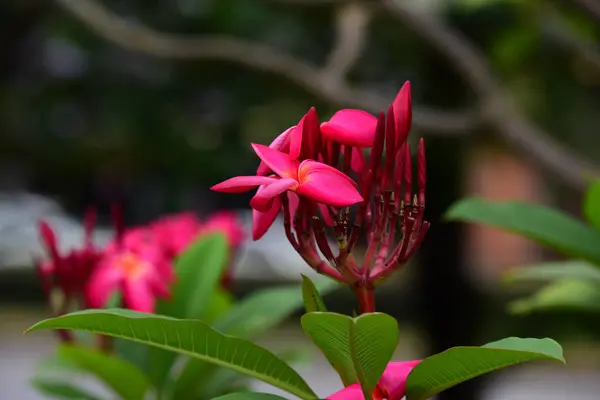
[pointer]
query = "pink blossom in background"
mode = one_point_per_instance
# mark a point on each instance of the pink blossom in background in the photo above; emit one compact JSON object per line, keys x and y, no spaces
{"x":391,"y":386}
{"x":69,"y":271}
{"x":177,"y":231}
{"x":141,"y":276}
{"x":229,"y":224}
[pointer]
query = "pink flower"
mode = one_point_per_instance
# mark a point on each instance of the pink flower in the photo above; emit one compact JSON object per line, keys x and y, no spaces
{"x":351,"y":128}
{"x":229,"y":224}
{"x":391,"y":386}
{"x":136,"y":274}
{"x":70,"y":271}
{"x":310,"y":179}
{"x":176,"y":232}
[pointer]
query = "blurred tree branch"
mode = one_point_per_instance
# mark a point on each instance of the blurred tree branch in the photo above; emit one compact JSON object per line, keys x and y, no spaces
{"x":591,"y":7}
{"x":328,"y":82}
{"x":136,"y":37}
{"x":495,"y":106}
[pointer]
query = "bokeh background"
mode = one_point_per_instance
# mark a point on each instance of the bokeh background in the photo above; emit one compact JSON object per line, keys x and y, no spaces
{"x":148,"y":103}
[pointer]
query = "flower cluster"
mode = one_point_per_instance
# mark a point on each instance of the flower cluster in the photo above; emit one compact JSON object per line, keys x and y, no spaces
{"x":137,"y":263}
{"x":314,"y":171}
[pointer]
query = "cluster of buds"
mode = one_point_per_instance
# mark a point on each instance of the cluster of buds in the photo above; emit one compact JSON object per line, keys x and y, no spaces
{"x":310,"y":173}
{"x":137,"y":264}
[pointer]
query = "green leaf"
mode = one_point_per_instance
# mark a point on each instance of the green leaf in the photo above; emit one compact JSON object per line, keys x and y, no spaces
{"x":187,"y":337}
{"x":249,"y":396}
{"x":458,"y":364}
{"x":256,"y":314}
{"x":121,"y":376}
{"x":591,"y":204}
{"x":61,"y":390}
{"x":359,"y":348}
{"x":542,"y":224}
{"x":561,"y":295}
{"x":551,"y":271}
{"x":312,"y":298}
{"x":199,"y":270}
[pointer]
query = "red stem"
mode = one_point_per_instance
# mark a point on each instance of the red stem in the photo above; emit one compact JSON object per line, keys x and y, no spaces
{"x":365,"y":296}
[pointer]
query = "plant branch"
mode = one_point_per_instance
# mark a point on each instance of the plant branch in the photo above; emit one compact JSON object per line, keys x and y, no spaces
{"x":495,"y":106}
{"x":137,"y":37}
{"x":592,"y":7}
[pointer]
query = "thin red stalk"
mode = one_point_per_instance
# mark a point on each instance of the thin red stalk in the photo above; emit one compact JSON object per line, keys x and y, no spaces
{"x":321,"y":239}
{"x":287,"y":226}
{"x":365,"y":297}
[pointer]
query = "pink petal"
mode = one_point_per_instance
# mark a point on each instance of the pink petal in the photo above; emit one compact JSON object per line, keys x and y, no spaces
{"x":358,"y":160}
{"x":281,"y":143}
{"x":403,"y":113}
{"x":328,"y":188}
{"x":294,"y":202}
{"x":394,"y":378}
{"x":352,"y":392}
{"x":351,"y":128}
{"x":262,"y":199}
{"x":279,"y":162}
{"x":262,"y":221}
{"x":326,"y":215}
{"x":103,"y":282}
{"x":137,"y":295}
{"x":308,"y":166}
{"x":240,"y":184}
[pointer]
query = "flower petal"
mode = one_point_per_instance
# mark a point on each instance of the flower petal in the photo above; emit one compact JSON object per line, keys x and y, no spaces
{"x":262,"y":199}
{"x":279,"y":162}
{"x":281,"y":143}
{"x":326,"y":214}
{"x":351,"y":128}
{"x":403,"y":113}
{"x":308,"y":166}
{"x":329,"y":188}
{"x":240,"y":184}
{"x":138,"y":295}
{"x":352,"y":392}
{"x":103,"y":282}
{"x":393,"y":380}
{"x":294,"y":202}
{"x":358,"y":162}
{"x":262,"y":221}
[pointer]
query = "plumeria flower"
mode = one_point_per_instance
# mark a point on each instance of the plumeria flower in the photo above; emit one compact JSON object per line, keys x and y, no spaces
{"x":137,"y":275}
{"x":391,"y":386}
{"x":310,"y":179}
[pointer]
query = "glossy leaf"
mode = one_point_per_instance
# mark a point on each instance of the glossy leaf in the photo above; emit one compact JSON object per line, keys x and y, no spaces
{"x":458,"y":364}
{"x":188,"y":337}
{"x":254,"y":315}
{"x":359,"y":348}
{"x":249,"y":396}
{"x":199,"y":270}
{"x":122,"y":377}
{"x":561,"y":295}
{"x":52,"y":388}
{"x":551,"y":271}
{"x":591,"y":204}
{"x":311,"y":296}
{"x":542,"y":224}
